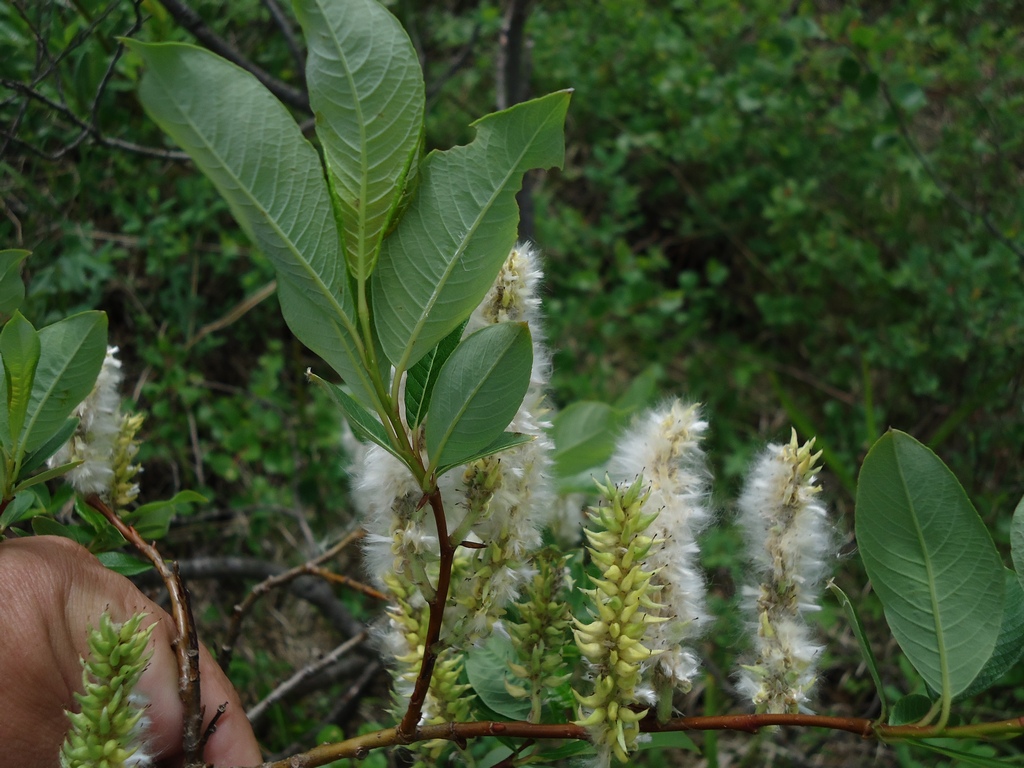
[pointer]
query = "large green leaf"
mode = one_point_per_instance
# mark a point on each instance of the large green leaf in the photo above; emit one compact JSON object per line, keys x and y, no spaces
{"x":478,"y":391}
{"x":1009,"y":644}
{"x":19,"y":355}
{"x":366,"y":90}
{"x":931,"y":561}
{"x":442,"y":257}
{"x":1017,"y":541}
{"x":12,"y":289}
{"x":249,"y":146}
{"x":71,"y":355}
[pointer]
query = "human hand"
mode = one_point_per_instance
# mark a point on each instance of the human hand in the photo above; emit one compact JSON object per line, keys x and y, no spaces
{"x":51,"y":592}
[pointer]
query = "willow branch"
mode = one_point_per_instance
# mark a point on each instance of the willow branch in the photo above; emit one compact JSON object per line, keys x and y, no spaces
{"x":186,"y":641}
{"x":361,"y":746}
{"x":407,"y":728}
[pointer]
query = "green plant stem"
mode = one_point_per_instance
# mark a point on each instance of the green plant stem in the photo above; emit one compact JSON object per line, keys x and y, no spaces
{"x":407,"y":731}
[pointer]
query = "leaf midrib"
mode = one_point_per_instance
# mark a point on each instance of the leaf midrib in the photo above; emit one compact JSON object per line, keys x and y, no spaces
{"x":940,"y":638}
{"x":255,"y":203}
{"x":363,"y":161}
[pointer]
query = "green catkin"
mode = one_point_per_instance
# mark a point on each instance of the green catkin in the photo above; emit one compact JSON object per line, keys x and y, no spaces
{"x":109,"y":730}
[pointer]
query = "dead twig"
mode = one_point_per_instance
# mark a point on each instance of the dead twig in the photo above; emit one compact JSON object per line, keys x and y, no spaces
{"x":265,"y":586}
{"x":256,"y":712}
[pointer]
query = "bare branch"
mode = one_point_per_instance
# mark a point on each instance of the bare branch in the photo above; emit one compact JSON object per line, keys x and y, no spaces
{"x":309,"y":588}
{"x":190,"y":20}
{"x":265,"y":586}
{"x":284,"y":24}
{"x":256,"y":712}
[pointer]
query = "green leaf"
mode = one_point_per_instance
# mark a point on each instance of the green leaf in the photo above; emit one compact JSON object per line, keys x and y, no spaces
{"x":438,"y":264}
{"x":487,"y":670}
{"x":910,"y":709}
{"x":1010,"y":643}
{"x":584,"y":436}
{"x":153,"y":520}
{"x":50,"y":447}
{"x":12,"y":289}
{"x":249,"y":146}
{"x":19,"y":355}
{"x":931,"y":561}
{"x":72,"y":353}
{"x":46,"y":526}
{"x":642,"y":390}
{"x":49,"y":474}
{"x":366,"y":90}
{"x":478,"y":391}
{"x":364,"y":424}
{"x":965,"y":758}
{"x":124,"y":564}
{"x":419,"y":381}
{"x":503,"y":443}
{"x":1017,"y":541}
{"x":22,"y":506}
{"x":865,"y":645}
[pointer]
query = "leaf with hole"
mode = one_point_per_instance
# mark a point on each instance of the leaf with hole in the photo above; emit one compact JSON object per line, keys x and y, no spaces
{"x":441,"y":259}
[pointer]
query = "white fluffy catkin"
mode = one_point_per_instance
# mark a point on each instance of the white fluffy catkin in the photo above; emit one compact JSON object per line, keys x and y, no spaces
{"x":663,"y":445}
{"x":788,"y":543}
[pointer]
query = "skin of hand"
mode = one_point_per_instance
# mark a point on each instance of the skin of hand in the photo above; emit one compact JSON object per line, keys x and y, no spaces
{"x":51,"y":592}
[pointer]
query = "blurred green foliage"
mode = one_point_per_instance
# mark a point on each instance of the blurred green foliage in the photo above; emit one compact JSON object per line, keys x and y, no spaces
{"x":795,"y":213}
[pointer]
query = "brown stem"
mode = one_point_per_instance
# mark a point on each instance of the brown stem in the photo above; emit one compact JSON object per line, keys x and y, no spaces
{"x":186,"y":641}
{"x":407,"y":730}
{"x":228,"y":646}
{"x":360,"y":746}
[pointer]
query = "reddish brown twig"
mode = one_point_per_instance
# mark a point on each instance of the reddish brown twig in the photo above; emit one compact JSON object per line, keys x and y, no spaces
{"x":345,"y":581}
{"x":407,"y":728}
{"x":228,"y":646}
{"x":186,"y":641}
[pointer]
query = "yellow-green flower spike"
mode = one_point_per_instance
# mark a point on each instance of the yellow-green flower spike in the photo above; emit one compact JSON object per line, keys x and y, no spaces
{"x":624,"y":605}
{"x":541,"y":633}
{"x":109,"y":730}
